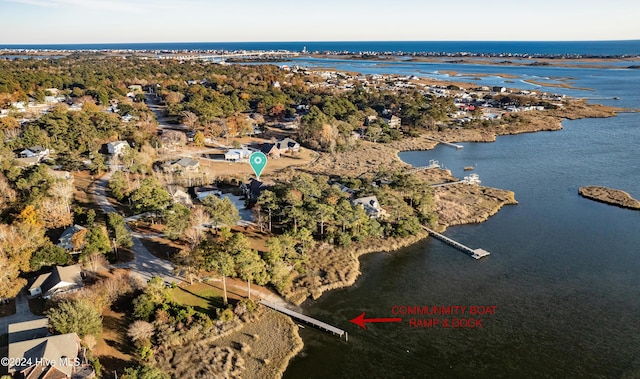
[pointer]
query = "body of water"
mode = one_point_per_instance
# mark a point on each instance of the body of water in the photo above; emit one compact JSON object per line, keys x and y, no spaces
{"x":599,"y":48}
{"x":564,"y":271}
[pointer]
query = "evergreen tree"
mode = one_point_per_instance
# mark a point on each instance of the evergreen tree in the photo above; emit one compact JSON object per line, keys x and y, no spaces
{"x":76,"y":316}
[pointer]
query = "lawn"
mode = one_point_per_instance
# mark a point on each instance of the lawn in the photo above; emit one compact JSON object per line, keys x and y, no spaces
{"x":203,"y":297}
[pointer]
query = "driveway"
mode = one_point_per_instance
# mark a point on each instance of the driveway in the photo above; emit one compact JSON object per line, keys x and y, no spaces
{"x":23,"y":313}
{"x":144,"y":263}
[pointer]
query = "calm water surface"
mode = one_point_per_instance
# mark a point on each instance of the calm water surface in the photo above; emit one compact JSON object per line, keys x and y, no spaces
{"x":564,"y":271}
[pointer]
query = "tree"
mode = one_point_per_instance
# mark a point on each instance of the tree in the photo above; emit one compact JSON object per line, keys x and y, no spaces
{"x":269,"y":202}
{"x":250,"y":267}
{"x":10,"y":283}
{"x":96,"y":241}
{"x":141,"y":331}
{"x":143,"y":372}
{"x":190,"y":119}
{"x":119,"y":231}
{"x":150,"y":197}
{"x":75,"y":316}
{"x":54,"y":213}
{"x":176,"y":218}
{"x":49,"y":255}
{"x":223,"y":263}
{"x":198,"y":139}
{"x":118,"y":185}
{"x":190,"y":260}
{"x":223,"y":212}
{"x":94,"y":262}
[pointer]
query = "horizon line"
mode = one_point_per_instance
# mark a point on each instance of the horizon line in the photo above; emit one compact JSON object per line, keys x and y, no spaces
{"x":302,"y":41}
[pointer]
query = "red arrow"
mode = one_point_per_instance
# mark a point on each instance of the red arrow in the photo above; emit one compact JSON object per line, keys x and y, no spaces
{"x":360,"y":320}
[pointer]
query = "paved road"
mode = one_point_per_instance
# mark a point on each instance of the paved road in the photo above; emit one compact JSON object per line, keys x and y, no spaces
{"x":23,"y":313}
{"x":144,"y":263}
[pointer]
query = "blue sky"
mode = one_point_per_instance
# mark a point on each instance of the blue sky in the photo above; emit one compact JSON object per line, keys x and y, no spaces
{"x":105,"y":21}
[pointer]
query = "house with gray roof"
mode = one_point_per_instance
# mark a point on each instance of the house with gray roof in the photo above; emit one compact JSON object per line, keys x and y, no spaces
{"x":66,"y":239}
{"x":59,"y":280}
{"x":182,"y":165}
{"x":371,"y":206}
{"x":287,"y":145}
{"x":35,"y":354}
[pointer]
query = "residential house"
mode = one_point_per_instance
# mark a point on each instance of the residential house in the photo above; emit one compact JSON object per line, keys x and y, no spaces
{"x":35,"y":354}
{"x":393,"y":121}
{"x":237,"y":155}
{"x":59,"y":280}
{"x":135,"y":88}
{"x":287,"y":145}
{"x":270,"y":150}
{"x":344,"y":188}
{"x":253,"y":189}
{"x":66,"y":240}
{"x":371,"y":206}
{"x":180,"y":196}
{"x":117,"y":147}
{"x":35,"y":152}
{"x":183,"y":165}
{"x":202,"y":192}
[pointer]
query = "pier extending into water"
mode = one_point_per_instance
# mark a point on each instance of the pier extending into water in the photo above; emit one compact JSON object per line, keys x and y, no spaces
{"x":306,"y":319}
{"x":474,"y":253}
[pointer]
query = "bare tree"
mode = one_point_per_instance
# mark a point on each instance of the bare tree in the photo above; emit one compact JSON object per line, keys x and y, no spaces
{"x":55,"y":213}
{"x":199,"y":216}
{"x":141,"y":331}
{"x":190,"y":119}
{"x":95,"y":262}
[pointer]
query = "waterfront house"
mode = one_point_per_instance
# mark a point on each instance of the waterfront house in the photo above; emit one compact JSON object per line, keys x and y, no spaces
{"x":117,"y":147}
{"x":35,"y":354}
{"x":59,"y":280}
{"x":392,"y":122}
{"x":371,"y":206}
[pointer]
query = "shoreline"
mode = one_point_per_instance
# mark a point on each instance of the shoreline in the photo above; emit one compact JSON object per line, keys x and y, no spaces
{"x":344,"y":265}
{"x":610,"y":196}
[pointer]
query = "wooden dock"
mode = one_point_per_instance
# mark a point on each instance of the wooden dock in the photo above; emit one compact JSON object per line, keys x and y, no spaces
{"x":474,"y":253}
{"x":306,"y":319}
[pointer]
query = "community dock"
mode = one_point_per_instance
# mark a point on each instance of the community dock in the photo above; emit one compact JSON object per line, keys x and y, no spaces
{"x":306,"y":319}
{"x":474,"y":253}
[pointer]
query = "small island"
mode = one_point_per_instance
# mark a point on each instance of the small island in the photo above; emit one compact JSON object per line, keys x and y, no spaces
{"x":609,"y":196}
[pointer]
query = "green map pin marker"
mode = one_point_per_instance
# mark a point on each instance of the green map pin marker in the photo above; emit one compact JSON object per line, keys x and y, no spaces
{"x":258,"y":161}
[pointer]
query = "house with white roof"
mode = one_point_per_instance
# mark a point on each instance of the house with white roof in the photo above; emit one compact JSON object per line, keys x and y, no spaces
{"x":117,"y":147}
{"x":237,"y":155}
